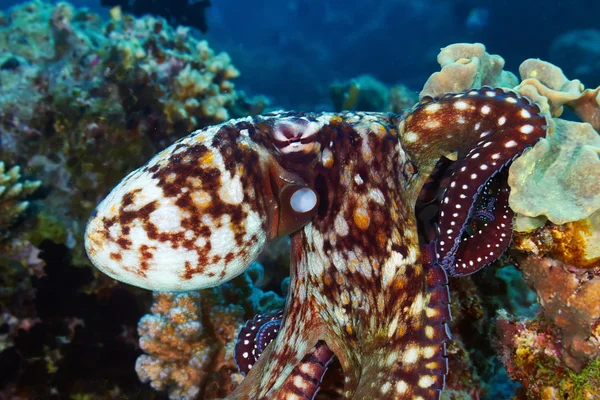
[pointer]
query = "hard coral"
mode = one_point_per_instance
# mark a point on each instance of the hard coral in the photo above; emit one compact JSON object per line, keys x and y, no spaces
{"x":555,"y":193}
{"x":466,"y":66}
{"x":190,"y":337}
{"x":560,"y":177}
{"x":84,"y":100}
{"x":13,"y":193}
{"x":569,"y":295}
{"x":184,"y":351}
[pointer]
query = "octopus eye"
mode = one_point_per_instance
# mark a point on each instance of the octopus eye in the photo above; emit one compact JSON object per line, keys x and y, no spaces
{"x":298,"y":206}
{"x":303,"y":200}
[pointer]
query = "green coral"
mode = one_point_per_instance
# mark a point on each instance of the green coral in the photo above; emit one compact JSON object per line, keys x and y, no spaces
{"x":365,"y":93}
{"x":13,"y":192}
{"x":85,"y":101}
{"x":560,"y":177}
{"x":583,"y":385}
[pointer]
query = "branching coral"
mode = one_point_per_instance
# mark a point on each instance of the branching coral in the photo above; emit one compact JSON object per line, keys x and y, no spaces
{"x":13,"y":193}
{"x":83,"y":101}
{"x":184,"y":352}
{"x":189,"y":338}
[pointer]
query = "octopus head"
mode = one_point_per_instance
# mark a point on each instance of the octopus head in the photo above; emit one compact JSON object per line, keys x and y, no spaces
{"x":199,"y":212}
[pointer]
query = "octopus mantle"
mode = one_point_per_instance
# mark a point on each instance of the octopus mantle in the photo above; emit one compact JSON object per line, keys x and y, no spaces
{"x":368,"y":278}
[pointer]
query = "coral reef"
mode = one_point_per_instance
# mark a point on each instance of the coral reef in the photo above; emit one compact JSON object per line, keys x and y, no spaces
{"x":189,"y":338}
{"x":531,"y":351}
{"x":13,"y":192}
{"x":366,"y":93}
{"x":85,"y":100}
{"x":555,"y":193}
{"x":183,"y":355}
{"x":467,"y":66}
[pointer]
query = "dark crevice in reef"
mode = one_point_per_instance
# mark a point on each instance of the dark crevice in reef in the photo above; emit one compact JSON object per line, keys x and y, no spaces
{"x":84,"y":339}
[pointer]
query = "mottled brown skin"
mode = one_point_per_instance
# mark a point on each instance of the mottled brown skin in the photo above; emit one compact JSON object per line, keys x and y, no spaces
{"x":361,"y":281}
{"x":375,"y":319}
{"x":370,"y":322}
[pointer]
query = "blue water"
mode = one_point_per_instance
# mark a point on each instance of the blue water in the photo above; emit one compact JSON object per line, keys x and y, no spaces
{"x":293,"y":50}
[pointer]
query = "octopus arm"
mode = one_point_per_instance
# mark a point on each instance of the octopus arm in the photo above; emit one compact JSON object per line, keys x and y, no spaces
{"x":485,"y":130}
{"x":479,"y":241}
{"x":305,"y":379}
{"x":413,"y":365}
{"x":280,"y":369}
{"x":455,"y":124}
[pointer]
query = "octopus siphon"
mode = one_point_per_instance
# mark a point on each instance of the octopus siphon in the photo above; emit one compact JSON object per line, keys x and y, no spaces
{"x":369,"y":265}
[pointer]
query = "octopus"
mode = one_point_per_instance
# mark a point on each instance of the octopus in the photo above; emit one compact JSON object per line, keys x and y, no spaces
{"x":380,"y":207}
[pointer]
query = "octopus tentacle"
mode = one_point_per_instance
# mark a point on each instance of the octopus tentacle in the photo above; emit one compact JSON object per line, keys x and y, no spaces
{"x":304,"y":380}
{"x":300,"y":331}
{"x":483,"y":242}
{"x":280,"y":361}
{"x":492,"y":120}
{"x":254,"y":337}
{"x":363,"y":280}
{"x":496,"y":127}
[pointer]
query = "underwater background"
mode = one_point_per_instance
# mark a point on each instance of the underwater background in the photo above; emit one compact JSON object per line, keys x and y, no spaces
{"x":90,"y":90}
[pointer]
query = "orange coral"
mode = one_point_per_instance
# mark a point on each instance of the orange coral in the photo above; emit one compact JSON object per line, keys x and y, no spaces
{"x":567,"y":243}
{"x":569,"y":297}
{"x":188,"y":352}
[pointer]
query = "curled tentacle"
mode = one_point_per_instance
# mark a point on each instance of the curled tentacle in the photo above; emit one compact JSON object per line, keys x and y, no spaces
{"x":487,"y":128}
{"x":254,"y":337}
{"x":485,"y":121}
{"x":485,"y":234}
{"x":305,"y":379}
